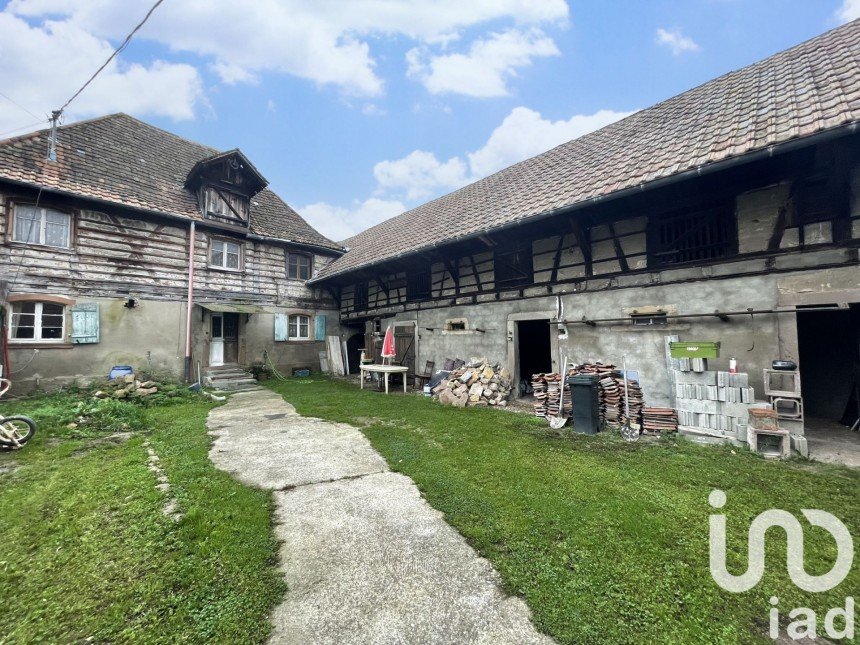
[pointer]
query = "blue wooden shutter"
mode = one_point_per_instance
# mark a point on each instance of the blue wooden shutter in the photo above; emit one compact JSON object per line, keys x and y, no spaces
{"x":280,"y":327}
{"x":319,"y":327}
{"x":85,"y":323}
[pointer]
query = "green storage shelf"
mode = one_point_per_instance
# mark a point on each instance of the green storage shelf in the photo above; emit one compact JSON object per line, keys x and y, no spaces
{"x":694,"y":349}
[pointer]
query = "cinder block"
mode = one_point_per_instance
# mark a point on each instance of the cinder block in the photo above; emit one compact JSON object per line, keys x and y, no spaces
{"x":705,"y":406}
{"x":722,"y":379}
{"x":779,"y":383}
{"x":699,"y":364}
{"x":736,"y":410}
{"x":721,"y":393}
{"x":696,"y":378}
{"x":799,"y":444}
{"x":788,"y":408}
{"x":739,"y":380}
{"x":686,"y":405}
{"x":712,"y":392}
{"x":684,"y":364}
{"x":747,"y":395}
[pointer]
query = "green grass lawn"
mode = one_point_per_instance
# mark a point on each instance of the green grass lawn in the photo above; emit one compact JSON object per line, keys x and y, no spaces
{"x":86,"y":552}
{"x":606,"y":541}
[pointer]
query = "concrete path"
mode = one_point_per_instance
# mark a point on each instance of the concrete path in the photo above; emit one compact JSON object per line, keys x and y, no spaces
{"x":367,"y":560}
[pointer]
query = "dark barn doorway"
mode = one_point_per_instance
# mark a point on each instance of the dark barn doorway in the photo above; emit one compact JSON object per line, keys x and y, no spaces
{"x":534,"y":348}
{"x":829,"y":352}
{"x":354,"y":345}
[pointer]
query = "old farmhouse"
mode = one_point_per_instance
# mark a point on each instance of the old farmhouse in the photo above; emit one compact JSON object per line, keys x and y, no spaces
{"x":730,"y":212}
{"x":138,"y":247}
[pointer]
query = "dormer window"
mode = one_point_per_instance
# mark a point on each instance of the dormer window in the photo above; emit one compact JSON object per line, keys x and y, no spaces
{"x":224,"y":185}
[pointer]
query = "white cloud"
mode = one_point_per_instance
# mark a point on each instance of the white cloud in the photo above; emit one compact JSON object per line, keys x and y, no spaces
{"x":677,"y":42}
{"x":419,"y":174}
{"x":522,"y":134}
{"x":338,"y":223}
{"x":44,"y":65}
{"x":850,"y":10}
{"x":485,"y":69}
{"x":323,"y":41}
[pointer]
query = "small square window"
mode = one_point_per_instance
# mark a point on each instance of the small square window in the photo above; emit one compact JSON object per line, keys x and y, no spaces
{"x":225,"y":255}
{"x":298,"y":327}
{"x":298,"y":266}
{"x":649,"y":320}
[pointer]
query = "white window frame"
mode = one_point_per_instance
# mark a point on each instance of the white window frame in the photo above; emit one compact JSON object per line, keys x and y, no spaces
{"x":37,"y":322}
{"x":298,"y":266}
{"x":43,"y":226}
{"x":298,"y":327}
{"x":223,"y":243}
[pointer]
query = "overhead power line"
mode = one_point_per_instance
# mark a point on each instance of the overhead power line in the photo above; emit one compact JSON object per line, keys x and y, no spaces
{"x":23,"y":127}
{"x":15,"y":103}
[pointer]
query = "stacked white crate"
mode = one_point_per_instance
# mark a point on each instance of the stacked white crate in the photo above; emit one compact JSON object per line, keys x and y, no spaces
{"x":713,"y":407}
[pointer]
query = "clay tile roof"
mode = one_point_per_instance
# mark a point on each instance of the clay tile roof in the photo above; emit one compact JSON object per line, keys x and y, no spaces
{"x":120,"y":160}
{"x":809,"y":88}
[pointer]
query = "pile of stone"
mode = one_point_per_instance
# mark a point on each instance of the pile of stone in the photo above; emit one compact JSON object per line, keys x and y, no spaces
{"x":127,"y":386}
{"x":478,"y":383}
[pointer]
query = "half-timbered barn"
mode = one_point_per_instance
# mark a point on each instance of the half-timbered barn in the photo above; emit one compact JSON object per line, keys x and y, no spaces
{"x":134,"y":246}
{"x":728,"y":213}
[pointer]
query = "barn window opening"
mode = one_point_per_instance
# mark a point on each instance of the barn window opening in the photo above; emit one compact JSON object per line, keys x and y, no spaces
{"x":514,"y":267}
{"x":457,"y":324}
{"x":418,"y":284}
{"x":692,"y":235}
{"x":359,"y":296}
{"x":658,"y":319}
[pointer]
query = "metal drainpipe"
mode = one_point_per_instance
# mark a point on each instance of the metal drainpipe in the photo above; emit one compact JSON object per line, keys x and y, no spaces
{"x":190,"y":302}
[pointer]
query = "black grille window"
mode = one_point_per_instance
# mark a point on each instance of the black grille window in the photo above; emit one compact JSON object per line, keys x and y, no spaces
{"x":418,"y":285}
{"x":514,"y":267}
{"x":697,"y":236}
{"x":359,"y":298}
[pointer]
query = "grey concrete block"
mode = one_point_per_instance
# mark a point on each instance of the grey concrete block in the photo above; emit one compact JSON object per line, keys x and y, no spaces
{"x":799,"y":444}
{"x":736,"y":410}
{"x":794,"y":426}
{"x":739,"y":380}
{"x":696,"y":378}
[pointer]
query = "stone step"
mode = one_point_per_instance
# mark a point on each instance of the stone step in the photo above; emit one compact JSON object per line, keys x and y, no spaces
{"x":234,"y":384}
{"x":230,"y":374}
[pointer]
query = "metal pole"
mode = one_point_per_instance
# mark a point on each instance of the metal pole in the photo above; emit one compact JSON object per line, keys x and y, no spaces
{"x":190,"y":301}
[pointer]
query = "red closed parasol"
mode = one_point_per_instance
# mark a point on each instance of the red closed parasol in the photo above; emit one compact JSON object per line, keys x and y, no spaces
{"x":388,"y":344}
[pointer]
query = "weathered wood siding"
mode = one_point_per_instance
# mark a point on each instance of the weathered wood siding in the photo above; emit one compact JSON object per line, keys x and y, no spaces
{"x":114,"y":255}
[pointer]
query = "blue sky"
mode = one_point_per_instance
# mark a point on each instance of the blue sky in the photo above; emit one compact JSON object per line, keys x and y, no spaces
{"x":357,"y":110}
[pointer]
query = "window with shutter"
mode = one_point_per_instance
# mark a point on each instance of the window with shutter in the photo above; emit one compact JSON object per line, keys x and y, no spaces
{"x":85,"y":323}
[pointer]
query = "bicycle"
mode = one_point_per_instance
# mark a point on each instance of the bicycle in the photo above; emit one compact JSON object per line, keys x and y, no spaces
{"x":14,"y":431}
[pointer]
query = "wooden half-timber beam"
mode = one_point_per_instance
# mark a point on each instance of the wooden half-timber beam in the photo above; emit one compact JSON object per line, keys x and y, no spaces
{"x":619,"y":252}
{"x":382,"y":285}
{"x":584,"y":242}
{"x":476,"y":274}
{"x":453,"y":272}
{"x":557,"y":259}
{"x":335,"y":293}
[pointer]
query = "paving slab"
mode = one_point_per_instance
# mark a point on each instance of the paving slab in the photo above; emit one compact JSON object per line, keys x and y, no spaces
{"x":263,"y":442}
{"x":365,"y":557}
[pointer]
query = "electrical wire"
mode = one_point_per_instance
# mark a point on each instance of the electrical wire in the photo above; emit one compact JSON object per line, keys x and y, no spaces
{"x":23,"y":127}
{"x":15,"y":103}
{"x":115,"y":53}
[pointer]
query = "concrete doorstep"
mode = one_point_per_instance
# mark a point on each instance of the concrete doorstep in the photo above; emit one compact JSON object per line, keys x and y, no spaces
{"x":366,"y":558}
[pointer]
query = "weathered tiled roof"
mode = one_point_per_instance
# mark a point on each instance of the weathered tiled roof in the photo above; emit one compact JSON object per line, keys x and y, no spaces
{"x":121,"y":160}
{"x":804,"y":90}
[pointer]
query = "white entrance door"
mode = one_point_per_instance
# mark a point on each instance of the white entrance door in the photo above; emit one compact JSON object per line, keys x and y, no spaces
{"x":216,"y":344}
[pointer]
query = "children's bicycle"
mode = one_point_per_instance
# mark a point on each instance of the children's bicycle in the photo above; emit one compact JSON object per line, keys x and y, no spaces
{"x":14,"y":431}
